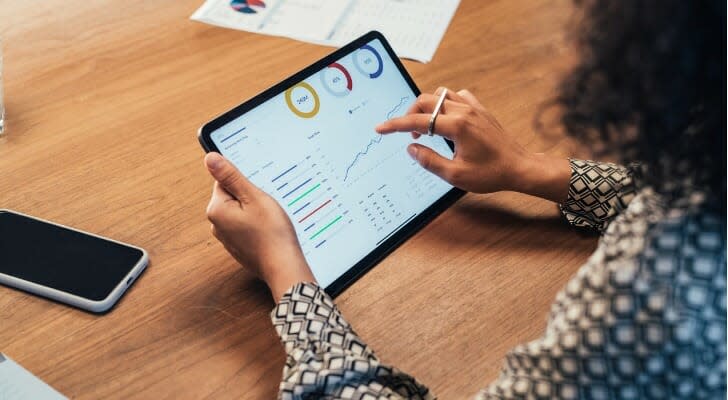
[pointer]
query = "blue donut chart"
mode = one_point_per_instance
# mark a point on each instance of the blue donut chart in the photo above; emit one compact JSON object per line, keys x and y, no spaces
{"x":380,"y":68}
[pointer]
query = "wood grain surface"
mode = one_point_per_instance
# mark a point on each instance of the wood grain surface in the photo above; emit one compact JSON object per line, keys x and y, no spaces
{"x":103,"y":104}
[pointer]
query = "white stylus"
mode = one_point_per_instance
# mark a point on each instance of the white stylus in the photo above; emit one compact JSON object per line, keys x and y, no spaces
{"x":438,"y":106}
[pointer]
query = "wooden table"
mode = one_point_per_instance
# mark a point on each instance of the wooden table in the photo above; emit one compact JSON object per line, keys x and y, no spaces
{"x":103,"y":104}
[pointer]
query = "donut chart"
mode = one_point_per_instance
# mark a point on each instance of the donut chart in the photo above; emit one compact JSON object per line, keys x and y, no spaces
{"x":304,"y":102}
{"x":368,"y":61}
{"x":336,"y":80}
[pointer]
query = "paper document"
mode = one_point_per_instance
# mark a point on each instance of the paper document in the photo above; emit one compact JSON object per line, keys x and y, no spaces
{"x":17,"y":383}
{"x":413,"y":27}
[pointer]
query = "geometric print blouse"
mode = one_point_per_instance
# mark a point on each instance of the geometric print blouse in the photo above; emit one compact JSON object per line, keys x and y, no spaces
{"x":643,"y":318}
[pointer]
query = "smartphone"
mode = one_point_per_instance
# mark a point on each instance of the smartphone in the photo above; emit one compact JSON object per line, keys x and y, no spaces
{"x":64,"y":264}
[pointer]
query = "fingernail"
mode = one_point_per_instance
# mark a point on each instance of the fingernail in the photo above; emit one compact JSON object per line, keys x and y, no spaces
{"x":378,"y":128}
{"x":412,"y":150}
{"x":214,"y":161}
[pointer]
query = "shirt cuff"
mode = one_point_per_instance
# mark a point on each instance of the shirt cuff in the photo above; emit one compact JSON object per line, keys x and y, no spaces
{"x":598,"y":191}
{"x":304,"y":311}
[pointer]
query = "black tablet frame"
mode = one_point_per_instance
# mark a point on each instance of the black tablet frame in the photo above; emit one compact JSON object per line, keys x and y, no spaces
{"x":406,"y":231}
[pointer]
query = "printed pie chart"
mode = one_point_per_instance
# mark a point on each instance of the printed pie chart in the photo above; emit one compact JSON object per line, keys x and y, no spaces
{"x":336,"y":80}
{"x":247,"y":6}
{"x":368,"y":61}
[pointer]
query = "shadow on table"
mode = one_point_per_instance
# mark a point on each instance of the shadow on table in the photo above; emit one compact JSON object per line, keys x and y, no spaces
{"x":472,"y":223}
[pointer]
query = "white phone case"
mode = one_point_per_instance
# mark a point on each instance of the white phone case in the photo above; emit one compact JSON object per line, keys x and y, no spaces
{"x":96,"y":306}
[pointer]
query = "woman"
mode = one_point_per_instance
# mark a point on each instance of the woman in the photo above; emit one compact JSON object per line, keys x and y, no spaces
{"x":645,"y":317}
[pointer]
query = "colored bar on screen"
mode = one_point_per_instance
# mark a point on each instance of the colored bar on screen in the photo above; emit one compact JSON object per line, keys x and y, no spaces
{"x":297,"y":187}
{"x":284,"y":172}
{"x":314,"y":211}
{"x":304,"y":194}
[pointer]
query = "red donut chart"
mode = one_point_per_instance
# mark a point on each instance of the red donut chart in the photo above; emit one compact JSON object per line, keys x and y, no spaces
{"x":349,"y":83}
{"x":338,"y":92}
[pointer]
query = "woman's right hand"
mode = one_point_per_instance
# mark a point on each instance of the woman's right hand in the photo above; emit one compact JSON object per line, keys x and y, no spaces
{"x":486,"y":158}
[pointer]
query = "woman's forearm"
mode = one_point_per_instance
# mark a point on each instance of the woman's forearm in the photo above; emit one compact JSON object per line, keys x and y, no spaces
{"x":543,"y":176}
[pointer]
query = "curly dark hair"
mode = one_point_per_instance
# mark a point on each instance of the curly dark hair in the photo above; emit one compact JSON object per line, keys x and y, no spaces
{"x":650,"y":87}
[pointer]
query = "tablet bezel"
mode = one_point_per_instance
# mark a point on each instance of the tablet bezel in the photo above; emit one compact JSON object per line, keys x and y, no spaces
{"x":397,"y":238}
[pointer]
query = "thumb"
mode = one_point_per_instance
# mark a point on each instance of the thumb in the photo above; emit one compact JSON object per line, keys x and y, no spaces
{"x":430,"y":160}
{"x":228,"y":176}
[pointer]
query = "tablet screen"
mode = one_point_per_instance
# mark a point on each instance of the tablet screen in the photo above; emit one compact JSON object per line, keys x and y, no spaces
{"x":314,"y":149}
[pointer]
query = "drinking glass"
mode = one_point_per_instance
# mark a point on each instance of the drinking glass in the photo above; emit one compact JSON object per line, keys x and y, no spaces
{"x":2,"y":104}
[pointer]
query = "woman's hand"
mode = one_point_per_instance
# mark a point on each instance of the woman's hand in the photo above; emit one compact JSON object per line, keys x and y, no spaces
{"x":254,"y":228}
{"x":486,"y":158}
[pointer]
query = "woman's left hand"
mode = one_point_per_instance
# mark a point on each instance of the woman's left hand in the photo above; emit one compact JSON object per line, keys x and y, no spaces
{"x":254,"y":228}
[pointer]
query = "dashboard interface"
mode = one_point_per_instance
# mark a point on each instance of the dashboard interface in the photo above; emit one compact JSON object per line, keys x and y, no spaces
{"x":314,"y":149}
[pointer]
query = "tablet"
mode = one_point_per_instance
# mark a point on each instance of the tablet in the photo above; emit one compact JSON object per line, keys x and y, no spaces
{"x":352,"y":195}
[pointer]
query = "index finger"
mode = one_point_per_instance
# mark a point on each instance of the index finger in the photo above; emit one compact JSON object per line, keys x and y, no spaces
{"x":444,"y":125}
{"x":407,"y":123}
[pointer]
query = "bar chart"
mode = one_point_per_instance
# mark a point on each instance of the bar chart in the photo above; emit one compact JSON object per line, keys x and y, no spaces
{"x":309,"y":197}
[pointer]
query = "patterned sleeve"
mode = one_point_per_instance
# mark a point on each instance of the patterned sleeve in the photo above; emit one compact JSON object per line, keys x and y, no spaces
{"x":633,"y":326}
{"x":645,"y":317}
{"x":597,"y":193}
{"x":326,"y":358}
